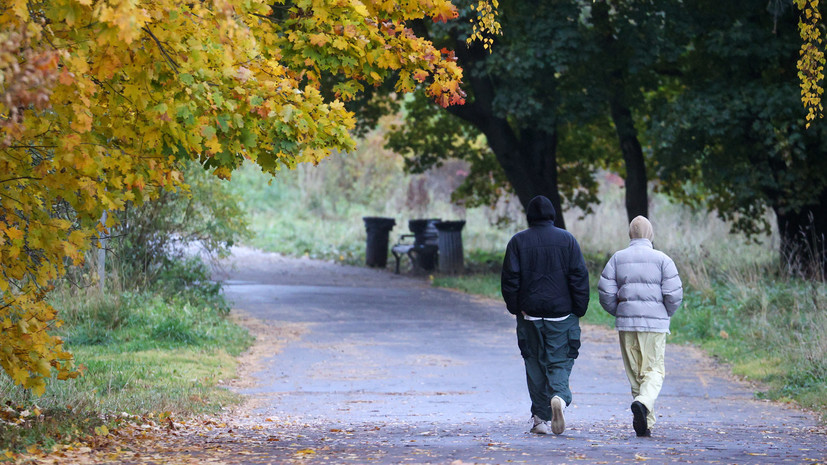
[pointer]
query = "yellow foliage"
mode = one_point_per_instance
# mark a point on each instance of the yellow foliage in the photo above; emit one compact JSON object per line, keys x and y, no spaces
{"x":485,"y":25}
{"x":100,"y":101}
{"x":811,"y":61}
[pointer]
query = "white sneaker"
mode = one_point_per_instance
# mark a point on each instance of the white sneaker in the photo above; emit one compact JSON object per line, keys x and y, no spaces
{"x":558,"y":422}
{"x":540,"y":426}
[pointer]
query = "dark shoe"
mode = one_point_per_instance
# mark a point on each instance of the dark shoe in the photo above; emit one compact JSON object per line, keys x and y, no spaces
{"x":639,"y":412}
{"x":647,"y":434}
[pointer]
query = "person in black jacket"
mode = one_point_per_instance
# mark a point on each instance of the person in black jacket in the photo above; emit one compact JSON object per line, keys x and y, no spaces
{"x":545,"y":283}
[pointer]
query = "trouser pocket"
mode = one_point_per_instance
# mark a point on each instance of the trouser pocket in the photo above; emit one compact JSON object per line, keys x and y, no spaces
{"x":522,"y":337}
{"x":574,"y":342}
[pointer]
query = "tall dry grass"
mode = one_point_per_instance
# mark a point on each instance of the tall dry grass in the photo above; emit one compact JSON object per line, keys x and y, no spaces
{"x":701,"y":244}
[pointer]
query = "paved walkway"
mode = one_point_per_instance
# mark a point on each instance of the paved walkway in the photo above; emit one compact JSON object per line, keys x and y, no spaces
{"x":390,"y":370}
{"x":360,"y":366}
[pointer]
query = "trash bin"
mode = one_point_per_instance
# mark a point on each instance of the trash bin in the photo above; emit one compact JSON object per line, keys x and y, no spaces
{"x":450,"y":246}
{"x":378,"y":230}
{"x":425,"y":243}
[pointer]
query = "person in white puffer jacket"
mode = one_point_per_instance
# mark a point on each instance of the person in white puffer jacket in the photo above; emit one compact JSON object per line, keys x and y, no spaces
{"x":641,"y":288}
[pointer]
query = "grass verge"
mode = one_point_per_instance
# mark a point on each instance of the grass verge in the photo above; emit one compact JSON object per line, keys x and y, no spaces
{"x":162,"y":350}
{"x":767,"y":327}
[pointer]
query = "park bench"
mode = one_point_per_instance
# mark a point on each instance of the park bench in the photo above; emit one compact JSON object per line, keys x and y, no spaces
{"x":423,"y":251}
{"x":402,"y":248}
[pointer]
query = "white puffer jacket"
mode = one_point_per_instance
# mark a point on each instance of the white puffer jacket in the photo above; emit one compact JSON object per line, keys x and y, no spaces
{"x":640,"y":286}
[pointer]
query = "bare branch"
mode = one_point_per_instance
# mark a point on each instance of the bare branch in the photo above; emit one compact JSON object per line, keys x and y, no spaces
{"x":19,"y":178}
{"x":172,"y":62}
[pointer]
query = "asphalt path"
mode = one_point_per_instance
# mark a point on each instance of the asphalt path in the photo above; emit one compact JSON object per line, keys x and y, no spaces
{"x":391,"y":370}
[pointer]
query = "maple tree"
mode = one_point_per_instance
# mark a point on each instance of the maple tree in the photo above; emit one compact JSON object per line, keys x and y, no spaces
{"x":101,"y":102}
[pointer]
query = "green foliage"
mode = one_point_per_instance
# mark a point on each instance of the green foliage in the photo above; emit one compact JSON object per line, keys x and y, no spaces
{"x":428,"y":137}
{"x":741,"y":149}
{"x":182,"y":309}
{"x":553,"y":74}
{"x":205,"y":218}
{"x":317,"y":211}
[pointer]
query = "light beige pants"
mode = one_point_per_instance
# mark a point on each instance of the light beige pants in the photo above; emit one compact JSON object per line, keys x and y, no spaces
{"x":643,"y":359}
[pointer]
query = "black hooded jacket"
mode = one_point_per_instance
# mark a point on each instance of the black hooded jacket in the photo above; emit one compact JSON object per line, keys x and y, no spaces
{"x":544,"y":274}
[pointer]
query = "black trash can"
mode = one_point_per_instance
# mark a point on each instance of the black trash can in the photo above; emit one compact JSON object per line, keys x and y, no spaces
{"x":425,"y":243}
{"x":378,"y":229}
{"x":450,"y":246}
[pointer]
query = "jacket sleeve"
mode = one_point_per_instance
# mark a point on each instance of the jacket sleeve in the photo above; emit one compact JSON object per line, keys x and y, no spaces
{"x":671,"y":286}
{"x":607,"y":287}
{"x":510,"y":279}
{"x":578,"y":281}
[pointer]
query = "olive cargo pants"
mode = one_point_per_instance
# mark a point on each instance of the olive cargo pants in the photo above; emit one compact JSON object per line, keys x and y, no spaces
{"x":548,"y":349}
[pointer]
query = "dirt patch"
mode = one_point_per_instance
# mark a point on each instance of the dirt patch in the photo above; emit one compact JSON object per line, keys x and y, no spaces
{"x":270,"y":339}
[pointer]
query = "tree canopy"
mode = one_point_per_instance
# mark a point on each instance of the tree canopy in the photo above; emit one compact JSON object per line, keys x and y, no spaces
{"x":700,"y":98}
{"x":101,"y":102}
{"x":561,"y":95}
{"x":734,"y":138}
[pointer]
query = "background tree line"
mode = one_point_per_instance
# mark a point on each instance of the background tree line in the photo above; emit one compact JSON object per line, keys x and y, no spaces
{"x":701,"y":97}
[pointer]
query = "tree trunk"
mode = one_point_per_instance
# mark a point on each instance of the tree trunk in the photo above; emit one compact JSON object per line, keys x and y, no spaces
{"x":614,"y":69}
{"x":803,"y":235}
{"x":637,"y":197}
{"x":528,"y":156}
{"x":530,"y":163}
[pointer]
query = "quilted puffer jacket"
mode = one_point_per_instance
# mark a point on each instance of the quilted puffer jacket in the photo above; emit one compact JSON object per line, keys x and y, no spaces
{"x":640,"y":286}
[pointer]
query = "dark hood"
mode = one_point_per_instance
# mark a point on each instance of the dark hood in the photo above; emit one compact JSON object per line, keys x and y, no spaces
{"x":540,"y":209}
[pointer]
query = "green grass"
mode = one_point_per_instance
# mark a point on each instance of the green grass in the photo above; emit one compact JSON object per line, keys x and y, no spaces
{"x":767,"y":328}
{"x":771,"y":330}
{"x":158,"y":350}
{"x":484,"y":284}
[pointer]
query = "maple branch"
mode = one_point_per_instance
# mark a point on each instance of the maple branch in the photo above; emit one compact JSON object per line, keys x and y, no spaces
{"x":77,"y":283}
{"x":113,"y":90}
{"x":20,"y":177}
{"x":172,"y":62}
{"x":269,"y":18}
{"x":32,"y":146}
{"x":273,"y":19}
{"x":14,"y":283}
{"x":11,"y":198}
